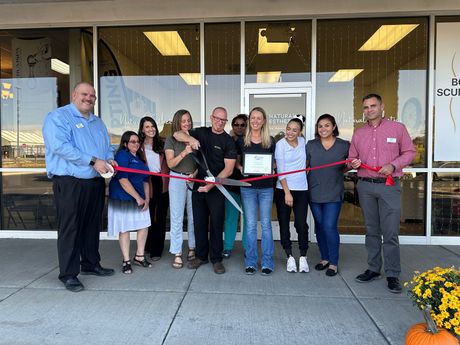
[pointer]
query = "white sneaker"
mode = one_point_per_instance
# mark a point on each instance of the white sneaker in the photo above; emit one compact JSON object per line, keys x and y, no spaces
{"x":303,"y":264}
{"x":291,"y":266}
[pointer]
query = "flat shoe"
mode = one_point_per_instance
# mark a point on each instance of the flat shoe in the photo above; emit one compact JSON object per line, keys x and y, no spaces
{"x":321,"y":267}
{"x":330,"y":272}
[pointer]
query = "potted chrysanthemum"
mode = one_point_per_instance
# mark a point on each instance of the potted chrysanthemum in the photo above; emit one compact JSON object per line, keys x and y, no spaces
{"x":437,"y":293}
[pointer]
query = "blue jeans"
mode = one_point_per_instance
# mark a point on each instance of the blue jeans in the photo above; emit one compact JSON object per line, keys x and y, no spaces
{"x":326,"y":217}
{"x":232,"y":215}
{"x":180,"y":199}
{"x":258,"y":200}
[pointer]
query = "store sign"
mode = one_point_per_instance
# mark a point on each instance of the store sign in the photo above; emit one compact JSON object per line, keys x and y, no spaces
{"x":447,"y":98}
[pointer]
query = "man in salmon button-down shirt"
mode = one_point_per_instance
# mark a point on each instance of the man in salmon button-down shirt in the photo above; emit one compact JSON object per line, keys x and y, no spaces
{"x":386,"y":144}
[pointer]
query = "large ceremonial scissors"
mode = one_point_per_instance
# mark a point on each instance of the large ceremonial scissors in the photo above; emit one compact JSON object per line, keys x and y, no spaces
{"x":201,"y":161}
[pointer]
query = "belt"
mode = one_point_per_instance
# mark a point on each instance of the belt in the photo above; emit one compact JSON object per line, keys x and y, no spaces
{"x":179,"y":173}
{"x":376,"y":179}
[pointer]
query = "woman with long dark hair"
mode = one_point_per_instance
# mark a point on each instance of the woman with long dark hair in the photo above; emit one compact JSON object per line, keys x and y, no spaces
{"x":327,"y":189}
{"x":129,"y":201}
{"x":152,"y":147}
{"x":291,"y":193}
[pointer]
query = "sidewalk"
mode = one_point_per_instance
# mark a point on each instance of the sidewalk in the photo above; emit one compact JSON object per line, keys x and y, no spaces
{"x":163,"y":305}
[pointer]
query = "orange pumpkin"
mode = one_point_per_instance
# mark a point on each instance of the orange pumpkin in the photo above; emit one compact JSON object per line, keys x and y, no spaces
{"x":420,"y":335}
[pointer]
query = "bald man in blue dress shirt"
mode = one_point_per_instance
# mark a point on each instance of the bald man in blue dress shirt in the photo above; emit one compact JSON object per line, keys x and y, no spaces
{"x":77,"y":152}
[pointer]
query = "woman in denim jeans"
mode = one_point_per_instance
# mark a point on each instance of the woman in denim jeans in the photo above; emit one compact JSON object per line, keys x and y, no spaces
{"x":327,"y":189}
{"x":258,"y":197}
{"x":181,"y":164}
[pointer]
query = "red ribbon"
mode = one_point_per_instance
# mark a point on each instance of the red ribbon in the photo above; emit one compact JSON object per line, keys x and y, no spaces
{"x":144,"y":172}
{"x":296,"y":171}
{"x":389,"y":181}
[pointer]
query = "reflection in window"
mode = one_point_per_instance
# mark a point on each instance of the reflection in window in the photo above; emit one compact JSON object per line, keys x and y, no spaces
{"x":412,"y":219}
{"x":148,"y":70}
{"x":38,"y":68}
{"x":398,"y":72}
{"x":446,"y":204}
{"x":280,"y":108}
{"x":222,"y":68}
{"x":278,"y":52}
{"x":27,"y":202}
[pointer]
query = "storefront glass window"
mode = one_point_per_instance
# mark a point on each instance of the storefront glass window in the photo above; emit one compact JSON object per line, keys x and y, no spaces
{"x":384,"y":56}
{"x":447,"y":95}
{"x":38,"y":69}
{"x":446,"y":204}
{"x":388,"y":57}
{"x":278,"y":52}
{"x":148,"y":70}
{"x":27,"y":202}
{"x":222,"y":67}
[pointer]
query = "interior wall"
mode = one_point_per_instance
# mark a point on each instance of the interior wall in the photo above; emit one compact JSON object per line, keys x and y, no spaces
{"x":22,"y":13}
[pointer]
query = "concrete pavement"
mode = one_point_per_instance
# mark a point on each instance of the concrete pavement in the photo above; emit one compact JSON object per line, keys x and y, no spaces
{"x":163,"y":305}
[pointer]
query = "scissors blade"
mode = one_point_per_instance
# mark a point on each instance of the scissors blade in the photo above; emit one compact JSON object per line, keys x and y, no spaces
{"x":229,"y":197}
{"x":228,"y":181}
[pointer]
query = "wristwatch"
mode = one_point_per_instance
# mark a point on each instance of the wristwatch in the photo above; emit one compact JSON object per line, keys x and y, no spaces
{"x":92,"y":161}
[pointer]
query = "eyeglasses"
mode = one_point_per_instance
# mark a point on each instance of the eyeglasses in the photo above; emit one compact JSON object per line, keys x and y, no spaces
{"x":239,"y":125}
{"x":134,"y":142}
{"x":219,"y":119}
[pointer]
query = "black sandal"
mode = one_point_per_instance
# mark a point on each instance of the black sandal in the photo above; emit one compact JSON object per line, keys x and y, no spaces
{"x":143,"y":262}
{"x":126,"y":267}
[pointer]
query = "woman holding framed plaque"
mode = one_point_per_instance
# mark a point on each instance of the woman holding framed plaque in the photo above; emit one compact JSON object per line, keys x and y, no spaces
{"x":255,"y":158}
{"x":291,"y":193}
{"x":327,"y":189}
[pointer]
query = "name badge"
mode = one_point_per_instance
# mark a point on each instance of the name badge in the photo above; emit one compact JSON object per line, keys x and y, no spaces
{"x":79,"y":125}
{"x":391,"y":140}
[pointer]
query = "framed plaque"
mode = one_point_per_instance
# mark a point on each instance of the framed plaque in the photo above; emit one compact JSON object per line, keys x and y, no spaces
{"x":257,"y":163}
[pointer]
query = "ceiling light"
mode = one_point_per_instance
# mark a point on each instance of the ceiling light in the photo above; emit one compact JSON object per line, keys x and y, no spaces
{"x":279,"y":95}
{"x":268,"y":77}
{"x":59,"y":66}
{"x":387,"y":36}
{"x":343,"y":75}
{"x":271,"y":48}
{"x":7,"y":94}
{"x":191,"y":78}
{"x":168,"y":43}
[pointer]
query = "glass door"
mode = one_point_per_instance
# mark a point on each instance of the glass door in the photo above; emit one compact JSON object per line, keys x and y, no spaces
{"x":281,"y":104}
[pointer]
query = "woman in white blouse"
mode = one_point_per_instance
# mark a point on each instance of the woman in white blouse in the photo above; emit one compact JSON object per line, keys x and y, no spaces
{"x":291,"y":193}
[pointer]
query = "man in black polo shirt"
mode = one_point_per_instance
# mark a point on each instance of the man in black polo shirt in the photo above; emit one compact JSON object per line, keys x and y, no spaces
{"x":208,"y":202}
